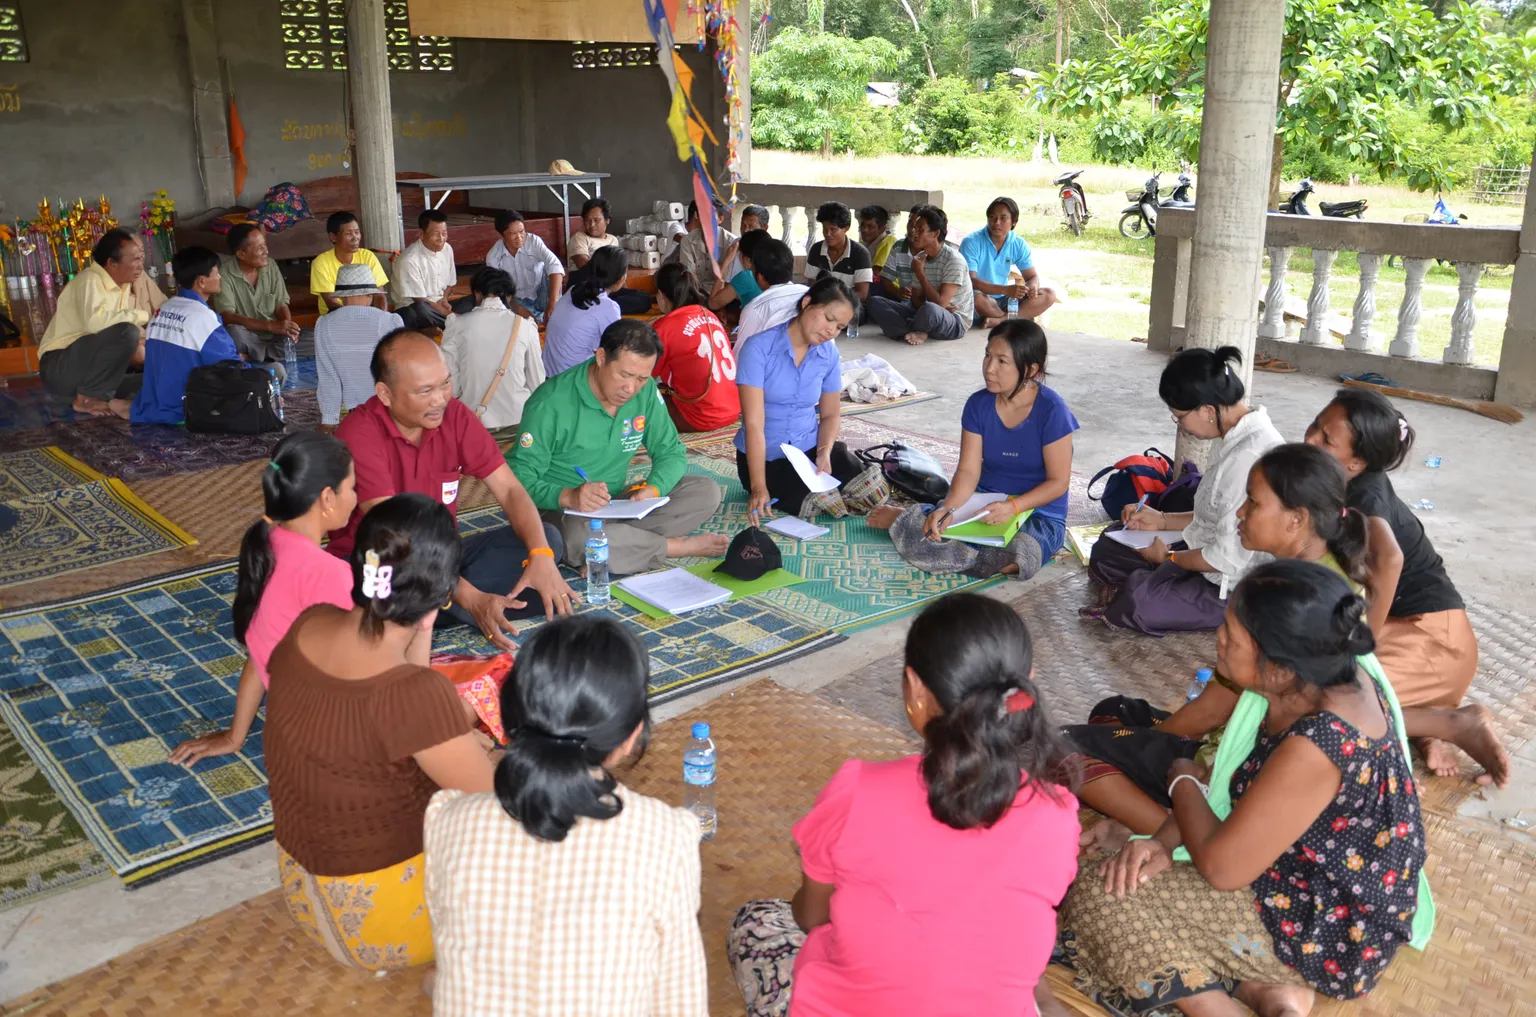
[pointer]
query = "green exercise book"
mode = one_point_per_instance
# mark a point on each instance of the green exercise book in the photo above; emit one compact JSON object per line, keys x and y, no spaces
{"x":706,"y":570}
{"x":978,"y":532}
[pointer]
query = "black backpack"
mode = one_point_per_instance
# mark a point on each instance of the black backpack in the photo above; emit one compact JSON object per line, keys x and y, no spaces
{"x":913,"y":472}
{"x":228,"y":398}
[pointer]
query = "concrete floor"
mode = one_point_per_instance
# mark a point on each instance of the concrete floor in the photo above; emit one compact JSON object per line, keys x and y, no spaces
{"x":1479,"y":493}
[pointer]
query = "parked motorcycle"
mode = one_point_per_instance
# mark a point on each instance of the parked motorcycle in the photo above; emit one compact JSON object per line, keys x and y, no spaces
{"x":1441,"y":216}
{"x":1180,"y":197}
{"x":1139,"y":219}
{"x":1296,"y":204}
{"x":1074,"y":203}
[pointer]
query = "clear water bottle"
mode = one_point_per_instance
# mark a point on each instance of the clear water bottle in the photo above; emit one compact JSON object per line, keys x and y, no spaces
{"x":699,"y":780}
{"x":276,"y":391}
{"x":852,"y":330}
{"x":597,"y":563}
{"x":291,"y":363}
{"x":1196,"y":687}
{"x":1013,"y":307}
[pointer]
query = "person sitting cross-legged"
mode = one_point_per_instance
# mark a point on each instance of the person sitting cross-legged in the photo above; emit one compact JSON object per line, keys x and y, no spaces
{"x":741,"y":287}
{"x":592,"y":237}
{"x":347,"y":248}
{"x":929,"y":883}
{"x":97,"y":331}
{"x":692,"y":248}
{"x":696,"y":369}
{"x":992,"y":253}
{"x":580,"y":431}
{"x":253,"y":299}
{"x":536,"y":273}
{"x":839,"y":255}
{"x":753,"y":218}
{"x":926,"y":284}
{"x":493,"y":352}
{"x":876,"y":236}
{"x":344,"y":343}
{"x":413,"y":436}
{"x":425,"y":272}
{"x":576,"y":323}
{"x":186,"y":334}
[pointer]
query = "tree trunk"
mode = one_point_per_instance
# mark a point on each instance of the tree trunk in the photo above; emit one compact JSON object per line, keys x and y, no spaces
{"x":1276,"y":168}
{"x":917,"y":29}
{"x":1061,"y":14}
{"x":826,"y":143}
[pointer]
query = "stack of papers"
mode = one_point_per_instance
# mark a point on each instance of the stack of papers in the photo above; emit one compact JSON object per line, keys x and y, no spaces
{"x":623,"y":508}
{"x":794,"y":526}
{"x":1144,"y":538}
{"x":675,"y":591}
{"x":970,"y":529}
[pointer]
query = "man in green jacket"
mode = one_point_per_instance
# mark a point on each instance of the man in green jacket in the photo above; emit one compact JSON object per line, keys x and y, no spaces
{"x":581,"y":429}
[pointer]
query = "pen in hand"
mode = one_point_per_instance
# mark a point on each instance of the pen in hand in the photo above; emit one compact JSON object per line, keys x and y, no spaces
{"x":756,"y":516}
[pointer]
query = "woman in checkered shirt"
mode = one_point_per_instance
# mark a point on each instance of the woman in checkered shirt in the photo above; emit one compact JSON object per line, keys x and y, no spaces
{"x":565,"y":892}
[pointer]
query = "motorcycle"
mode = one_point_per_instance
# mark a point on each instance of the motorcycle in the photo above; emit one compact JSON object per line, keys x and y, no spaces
{"x":1296,"y":204}
{"x":1441,"y":216}
{"x":1074,"y":203}
{"x":1139,"y":219}
{"x":1180,"y":197}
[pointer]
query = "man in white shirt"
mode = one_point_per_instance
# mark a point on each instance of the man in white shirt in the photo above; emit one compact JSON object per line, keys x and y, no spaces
{"x":424,"y":273}
{"x":536,"y":272}
{"x":774,"y":265}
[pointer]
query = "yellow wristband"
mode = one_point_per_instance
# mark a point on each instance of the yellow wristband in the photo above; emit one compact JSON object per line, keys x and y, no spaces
{"x":547,"y":552}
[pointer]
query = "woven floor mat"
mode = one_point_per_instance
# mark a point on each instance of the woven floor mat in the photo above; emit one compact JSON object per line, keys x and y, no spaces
{"x":214,"y":506}
{"x":777,"y":749}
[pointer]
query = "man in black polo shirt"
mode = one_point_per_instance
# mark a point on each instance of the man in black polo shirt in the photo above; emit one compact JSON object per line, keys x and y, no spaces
{"x":840,"y":255}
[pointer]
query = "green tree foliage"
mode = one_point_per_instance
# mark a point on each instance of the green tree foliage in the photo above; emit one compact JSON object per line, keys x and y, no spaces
{"x":809,"y":84}
{"x":1349,"y":70}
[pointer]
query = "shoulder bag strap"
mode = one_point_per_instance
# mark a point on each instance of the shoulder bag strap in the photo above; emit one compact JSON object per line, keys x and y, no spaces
{"x":501,"y":371}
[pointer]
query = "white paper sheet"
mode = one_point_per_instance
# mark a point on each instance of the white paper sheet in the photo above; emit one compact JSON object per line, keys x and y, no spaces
{"x":819,"y":483}
{"x":974,"y":508}
{"x":623,"y":508}
{"x":794,"y":526}
{"x":1144,"y":538}
{"x":675,"y":591}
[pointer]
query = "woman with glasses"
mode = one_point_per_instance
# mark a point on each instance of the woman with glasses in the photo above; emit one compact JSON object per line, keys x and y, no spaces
{"x":1182,"y":586}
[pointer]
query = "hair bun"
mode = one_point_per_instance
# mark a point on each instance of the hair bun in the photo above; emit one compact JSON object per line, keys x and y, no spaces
{"x":1351,"y":625}
{"x":1228,"y":356}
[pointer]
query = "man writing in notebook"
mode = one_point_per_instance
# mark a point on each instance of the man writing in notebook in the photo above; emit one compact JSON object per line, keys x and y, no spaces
{"x":580,"y":431}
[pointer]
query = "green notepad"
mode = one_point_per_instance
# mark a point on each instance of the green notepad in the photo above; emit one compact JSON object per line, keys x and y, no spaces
{"x":978,"y":532}
{"x":705,"y":570}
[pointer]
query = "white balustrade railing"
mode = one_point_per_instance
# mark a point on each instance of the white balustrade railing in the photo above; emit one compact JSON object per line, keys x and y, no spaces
{"x":792,"y":207}
{"x":1471,"y":249}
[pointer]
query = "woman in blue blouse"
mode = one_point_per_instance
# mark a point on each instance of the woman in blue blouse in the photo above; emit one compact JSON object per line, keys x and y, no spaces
{"x":790,"y":379}
{"x":1016,"y":441}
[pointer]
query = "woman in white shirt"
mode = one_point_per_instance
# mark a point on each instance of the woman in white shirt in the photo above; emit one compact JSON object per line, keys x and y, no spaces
{"x":565,"y":892}
{"x":1182,"y":587}
{"x":480,"y":344}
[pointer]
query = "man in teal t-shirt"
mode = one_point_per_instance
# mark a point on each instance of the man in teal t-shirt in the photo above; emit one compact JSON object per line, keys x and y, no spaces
{"x":579,"y":433}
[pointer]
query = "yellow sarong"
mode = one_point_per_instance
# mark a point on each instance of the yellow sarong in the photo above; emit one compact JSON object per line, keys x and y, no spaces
{"x":377,"y":920}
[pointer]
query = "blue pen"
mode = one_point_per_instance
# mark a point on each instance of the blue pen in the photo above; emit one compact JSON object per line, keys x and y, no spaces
{"x":771,"y":503}
{"x":587,"y":480}
{"x":1139,"y":505}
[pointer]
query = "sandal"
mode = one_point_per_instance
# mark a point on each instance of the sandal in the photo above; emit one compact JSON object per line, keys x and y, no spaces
{"x":1274,"y":365}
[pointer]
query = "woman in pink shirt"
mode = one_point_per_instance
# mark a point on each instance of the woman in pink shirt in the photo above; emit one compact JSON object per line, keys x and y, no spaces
{"x":931,"y":882}
{"x":308,"y":489}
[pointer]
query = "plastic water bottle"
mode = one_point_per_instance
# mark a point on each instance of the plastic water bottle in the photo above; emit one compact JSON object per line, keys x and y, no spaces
{"x":276,"y":391}
{"x":852,"y":331}
{"x":597,"y":563}
{"x":1202,"y":678}
{"x":699,"y":780}
{"x":291,"y":363}
{"x":1013,"y":307}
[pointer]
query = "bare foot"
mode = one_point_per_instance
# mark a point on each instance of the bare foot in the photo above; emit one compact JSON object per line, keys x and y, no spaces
{"x":883,"y":517}
{"x":700,"y":545}
{"x":1276,"y":1000}
{"x":1107,"y":835}
{"x":993,"y":322}
{"x":916,"y":338}
{"x":1476,"y":737}
{"x":90,"y":407}
{"x":121,"y":407}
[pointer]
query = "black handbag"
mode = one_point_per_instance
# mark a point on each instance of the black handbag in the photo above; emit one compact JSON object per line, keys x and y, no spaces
{"x":911,"y":471}
{"x":229,"y":398}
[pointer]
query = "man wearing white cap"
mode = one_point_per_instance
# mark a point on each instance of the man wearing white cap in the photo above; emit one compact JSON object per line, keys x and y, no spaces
{"x":344,"y":342}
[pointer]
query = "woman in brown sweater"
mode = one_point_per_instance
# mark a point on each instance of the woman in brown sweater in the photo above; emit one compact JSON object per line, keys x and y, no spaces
{"x":360,"y":733}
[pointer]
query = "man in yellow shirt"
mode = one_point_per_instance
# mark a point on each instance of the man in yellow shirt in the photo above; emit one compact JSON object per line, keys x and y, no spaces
{"x":96,"y":331}
{"x":346,"y":248}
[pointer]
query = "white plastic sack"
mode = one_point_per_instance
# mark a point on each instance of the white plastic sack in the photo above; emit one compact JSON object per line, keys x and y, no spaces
{"x":871,"y":379}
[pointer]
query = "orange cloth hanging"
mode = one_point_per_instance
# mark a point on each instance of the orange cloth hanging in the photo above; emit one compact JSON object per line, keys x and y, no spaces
{"x":237,"y":146}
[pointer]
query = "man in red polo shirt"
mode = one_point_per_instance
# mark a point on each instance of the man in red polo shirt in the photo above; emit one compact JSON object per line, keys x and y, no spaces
{"x":413,"y":436}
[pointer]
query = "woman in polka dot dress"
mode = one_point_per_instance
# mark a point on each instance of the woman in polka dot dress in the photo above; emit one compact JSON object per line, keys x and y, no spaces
{"x":1310,"y":883}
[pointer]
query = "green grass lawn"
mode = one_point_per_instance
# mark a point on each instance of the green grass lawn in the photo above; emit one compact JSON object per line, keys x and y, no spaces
{"x":1109,"y":277}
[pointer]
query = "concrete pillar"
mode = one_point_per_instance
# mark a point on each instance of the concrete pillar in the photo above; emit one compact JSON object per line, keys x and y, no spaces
{"x":1237,"y":139}
{"x":210,"y":118}
{"x":373,"y":150}
{"x":1517,"y":359}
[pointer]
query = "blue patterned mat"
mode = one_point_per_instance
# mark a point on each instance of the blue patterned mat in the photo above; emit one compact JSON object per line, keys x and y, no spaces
{"x":100,"y":688}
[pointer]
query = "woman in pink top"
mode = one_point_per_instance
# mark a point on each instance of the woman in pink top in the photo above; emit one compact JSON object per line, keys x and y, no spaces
{"x":308,"y":489}
{"x":931,"y":882}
